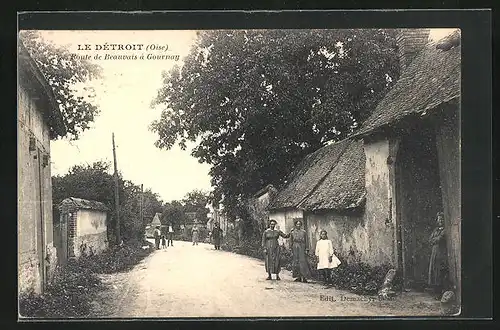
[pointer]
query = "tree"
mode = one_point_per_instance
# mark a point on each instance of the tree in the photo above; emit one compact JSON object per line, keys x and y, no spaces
{"x":196,"y":201}
{"x":64,"y":72}
{"x":173,"y":212}
{"x":151,"y":204}
{"x":259,"y":101}
{"x":93,"y":182}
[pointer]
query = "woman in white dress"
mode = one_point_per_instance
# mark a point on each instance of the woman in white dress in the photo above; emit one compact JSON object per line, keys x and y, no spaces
{"x":327,"y":260}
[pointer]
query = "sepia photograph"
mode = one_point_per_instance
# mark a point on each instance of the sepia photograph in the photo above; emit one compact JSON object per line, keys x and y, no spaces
{"x":239,"y":173}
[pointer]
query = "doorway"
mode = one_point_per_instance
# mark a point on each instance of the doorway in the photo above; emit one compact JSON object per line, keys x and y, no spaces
{"x":419,"y":199}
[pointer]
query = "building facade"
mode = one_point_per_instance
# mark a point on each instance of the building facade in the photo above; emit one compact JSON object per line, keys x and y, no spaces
{"x":82,"y":228}
{"x":412,"y":146}
{"x":39,"y":120}
{"x":378,"y":192}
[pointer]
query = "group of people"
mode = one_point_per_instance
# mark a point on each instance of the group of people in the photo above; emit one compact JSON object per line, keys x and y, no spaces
{"x":327,"y":260}
{"x":216,"y":235}
{"x":166,"y":240}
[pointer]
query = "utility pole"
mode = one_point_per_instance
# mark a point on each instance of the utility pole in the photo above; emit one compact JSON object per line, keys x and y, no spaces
{"x":142,"y":205}
{"x":117,"y":200}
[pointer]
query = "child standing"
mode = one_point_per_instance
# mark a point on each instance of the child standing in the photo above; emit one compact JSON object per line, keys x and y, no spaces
{"x":163,"y":242}
{"x":327,"y":260}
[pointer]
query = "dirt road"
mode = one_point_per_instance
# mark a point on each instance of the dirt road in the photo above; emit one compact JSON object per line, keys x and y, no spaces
{"x":198,"y":281}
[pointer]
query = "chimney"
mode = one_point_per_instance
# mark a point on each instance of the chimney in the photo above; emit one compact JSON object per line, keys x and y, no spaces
{"x":410,"y":42}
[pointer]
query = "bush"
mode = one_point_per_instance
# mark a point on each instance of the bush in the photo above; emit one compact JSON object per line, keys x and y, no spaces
{"x":68,"y":295}
{"x":362,"y":278}
{"x":117,"y":258}
{"x":249,"y":247}
{"x":75,"y":285}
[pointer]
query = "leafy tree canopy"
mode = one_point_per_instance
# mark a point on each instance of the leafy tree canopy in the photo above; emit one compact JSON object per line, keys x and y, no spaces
{"x":64,"y":72}
{"x":93,"y":182}
{"x":256,"y":102}
{"x":196,"y":201}
{"x":173,"y":213}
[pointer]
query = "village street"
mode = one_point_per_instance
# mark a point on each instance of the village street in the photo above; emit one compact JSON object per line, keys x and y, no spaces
{"x":198,"y":281}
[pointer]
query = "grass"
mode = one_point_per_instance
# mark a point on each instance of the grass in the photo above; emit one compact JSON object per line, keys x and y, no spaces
{"x":75,"y":286}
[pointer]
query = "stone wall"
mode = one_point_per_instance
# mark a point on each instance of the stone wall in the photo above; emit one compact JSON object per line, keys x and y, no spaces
{"x":93,"y":243}
{"x":449,"y":155}
{"x":28,"y":272}
{"x":285,"y":220}
{"x":379,"y":222}
{"x":35,"y":232}
{"x":90,"y":231}
{"x":346,"y":231}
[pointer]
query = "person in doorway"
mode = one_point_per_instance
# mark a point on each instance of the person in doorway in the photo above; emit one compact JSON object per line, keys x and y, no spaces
{"x":156,"y":235}
{"x":272,"y":249}
{"x":217,"y":236}
{"x":437,"y":261}
{"x":327,"y":260}
{"x":163,"y":242}
{"x":298,"y":242}
{"x":195,"y":232}
{"x":170,"y":235}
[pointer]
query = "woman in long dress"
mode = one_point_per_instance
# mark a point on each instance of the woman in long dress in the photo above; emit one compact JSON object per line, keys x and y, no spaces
{"x":299,"y":243}
{"x":216,"y":236}
{"x":327,"y":260}
{"x":437,"y":262}
{"x":195,"y":232}
{"x":272,"y":249}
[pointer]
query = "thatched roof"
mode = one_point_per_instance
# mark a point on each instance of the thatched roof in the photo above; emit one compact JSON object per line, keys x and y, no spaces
{"x":268,"y":188}
{"x":431,"y":79}
{"x":31,"y":76}
{"x":73,"y":204}
{"x":330,"y":178}
{"x":344,"y":187}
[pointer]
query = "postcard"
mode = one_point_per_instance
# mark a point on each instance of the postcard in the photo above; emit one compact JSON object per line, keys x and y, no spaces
{"x":225,"y":173}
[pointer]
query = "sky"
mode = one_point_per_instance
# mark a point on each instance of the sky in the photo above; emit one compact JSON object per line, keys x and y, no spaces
{"x":124,"y":95}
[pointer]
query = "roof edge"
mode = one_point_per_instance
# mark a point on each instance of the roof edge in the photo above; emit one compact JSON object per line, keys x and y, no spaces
{"x":381,"y":128}
{"x":55,"y":116}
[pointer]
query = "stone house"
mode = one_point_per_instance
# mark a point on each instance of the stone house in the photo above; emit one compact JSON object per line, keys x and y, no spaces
{"x":39,"y":121}
{"x":150,"y":228}
{"x":326,"y":191}
{"x":412,"y":147}
{"x":82,"y":228}
{"x":378,"y":192}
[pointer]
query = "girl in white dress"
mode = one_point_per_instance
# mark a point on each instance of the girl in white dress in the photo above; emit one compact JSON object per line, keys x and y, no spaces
{"x":327,"y":260}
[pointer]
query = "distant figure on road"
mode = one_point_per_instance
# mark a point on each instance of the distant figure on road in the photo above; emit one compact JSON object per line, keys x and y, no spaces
{"x":298,"y":242}
{"x":238,"y":226}
{"x":163,"y":242}
{"x":217,"y":236}
{"x":170,"y":235}
{"x":327,"y":260}
{"x":157,"y":235}
{"x":272,"y":250}
{"x":195,"y":232}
